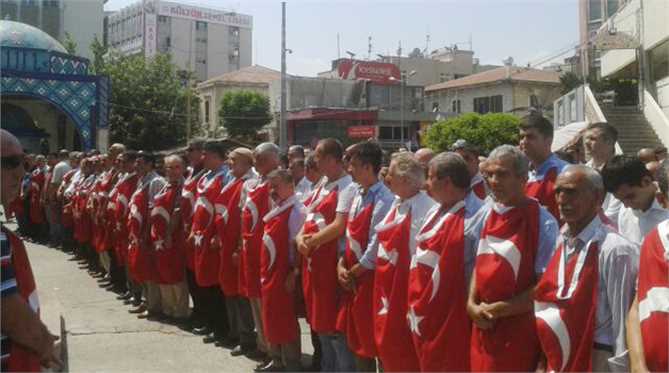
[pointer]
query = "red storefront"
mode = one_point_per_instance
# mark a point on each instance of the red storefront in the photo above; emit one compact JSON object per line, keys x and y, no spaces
{"x":307,"y":126}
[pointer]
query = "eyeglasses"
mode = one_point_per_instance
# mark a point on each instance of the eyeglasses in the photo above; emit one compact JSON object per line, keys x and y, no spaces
{"x":11,"y":162}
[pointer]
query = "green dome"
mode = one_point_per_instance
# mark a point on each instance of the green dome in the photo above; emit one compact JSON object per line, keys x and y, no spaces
{"x":21,"y":35}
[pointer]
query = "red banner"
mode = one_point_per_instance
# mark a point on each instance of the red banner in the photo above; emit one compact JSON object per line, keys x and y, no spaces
{"x":378,"y":72}
{"x":361,"y":132}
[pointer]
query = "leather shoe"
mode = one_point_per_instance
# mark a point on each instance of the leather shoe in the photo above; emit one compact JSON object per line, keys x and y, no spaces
{"x":238,"y":351}
{"x":143,"y":315}
{"x":211,"y":338}
{"x":140,"y":309}
{"x":270,"y":367}
{"x":154,"y":316}
{"x":204,"y":330}
{"x":255,"y":354}
{"x":124,"y":296}
{"x":227,"y":342}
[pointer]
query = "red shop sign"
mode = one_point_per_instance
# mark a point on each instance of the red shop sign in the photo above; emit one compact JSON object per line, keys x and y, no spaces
{"x":361,"y":132}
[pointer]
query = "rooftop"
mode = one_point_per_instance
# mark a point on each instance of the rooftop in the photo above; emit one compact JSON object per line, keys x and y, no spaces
{"x":251,"y":74}
{"x":516,"y":74}
{"x":21,"y":35}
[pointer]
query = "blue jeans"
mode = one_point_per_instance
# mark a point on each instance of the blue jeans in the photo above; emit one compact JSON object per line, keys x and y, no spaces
{"x":336,"y":357}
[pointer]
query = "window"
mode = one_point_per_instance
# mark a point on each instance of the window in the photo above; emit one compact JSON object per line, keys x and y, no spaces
{"x":594,"y":10}
{"x":492,"y":104}
{"x":611,"y":7}
{"x":455,"y":106}
{"x":162,"y":19}
{"x":168,"y":41}
{"x":200,"y":25}
{"x":534,"y":101}
{"x":442,"y":77}
{"x":206,"y":111}
{"x":393,"y":133}
{"x":435,"y":107}
{"x":234,"y":31}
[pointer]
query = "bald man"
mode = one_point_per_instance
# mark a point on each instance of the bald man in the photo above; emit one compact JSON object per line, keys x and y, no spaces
{"x":647,"y":155}
{"x":424,"y":156}
{"x":27,"y":343}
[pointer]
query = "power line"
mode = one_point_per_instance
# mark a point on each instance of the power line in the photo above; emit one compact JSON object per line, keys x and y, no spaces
{"x":169,"y":113}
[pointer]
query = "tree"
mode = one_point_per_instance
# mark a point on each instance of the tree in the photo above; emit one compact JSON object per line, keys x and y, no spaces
{"x":99,"y":51}
{"x":488,"y":131}
{"x":69,"y":44}
{"x":244,"y":113}
{"x":569,"y":81}
{"x":147,"y":102}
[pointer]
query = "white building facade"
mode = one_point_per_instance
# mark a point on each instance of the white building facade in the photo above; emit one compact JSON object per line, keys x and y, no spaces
{"x":209,"y":42}
{"x":82,"y":20}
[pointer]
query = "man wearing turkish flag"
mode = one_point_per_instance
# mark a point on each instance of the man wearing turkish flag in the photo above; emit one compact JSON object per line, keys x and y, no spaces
{"x":441,"y":268}
{"x":278,"y":271}
{"x":581,"y":301}
{"x":648,"y":320}
{"x":393,"y":325}
{"x":516,"y":242}
{"x":356,"y":267}
{"x":203,"y":229}
{"x":321,"y":242}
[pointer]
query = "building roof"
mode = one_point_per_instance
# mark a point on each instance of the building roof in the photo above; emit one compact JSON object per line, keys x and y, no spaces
{"x":250,"y":74}
{"x":21,"y":35}
{"x":517,"y":74}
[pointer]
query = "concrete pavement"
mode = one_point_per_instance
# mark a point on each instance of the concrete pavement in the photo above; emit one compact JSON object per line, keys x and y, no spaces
{"x":103,"y":336}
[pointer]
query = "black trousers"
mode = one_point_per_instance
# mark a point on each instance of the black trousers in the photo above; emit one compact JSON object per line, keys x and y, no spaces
{"x":117,"y":273}
{"x":214,"y":310}
{"x":196,"y":294}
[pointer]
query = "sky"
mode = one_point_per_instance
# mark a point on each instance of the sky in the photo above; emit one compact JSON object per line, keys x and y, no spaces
{"x":530,"y":31}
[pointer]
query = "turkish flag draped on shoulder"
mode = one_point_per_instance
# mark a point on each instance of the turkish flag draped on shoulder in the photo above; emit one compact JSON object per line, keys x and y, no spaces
{"x":228,"y":228}
{"x":505,"y":268}
{"x":319,"y":270}
{"x":278,"y":305}
{"x":653,"y":295}
{"x":565,"y":307}
{"x":438,"y":293}
{"x":391,"y":282}
{"x":203,"y":229}
{"x":255,"y":208}
{"x":356,"y":308}
{"x":167,"y":237}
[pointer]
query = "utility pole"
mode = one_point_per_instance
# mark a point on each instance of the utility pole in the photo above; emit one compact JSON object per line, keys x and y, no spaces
{"x":283,"y":131}
{"x":402,"y":78}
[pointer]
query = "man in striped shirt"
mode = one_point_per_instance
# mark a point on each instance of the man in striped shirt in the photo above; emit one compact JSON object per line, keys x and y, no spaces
{"x":26,"y":341}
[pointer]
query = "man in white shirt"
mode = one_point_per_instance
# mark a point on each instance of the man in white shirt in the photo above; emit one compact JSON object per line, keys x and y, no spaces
{"x":599,"y":140}
{"x":629,"y":181}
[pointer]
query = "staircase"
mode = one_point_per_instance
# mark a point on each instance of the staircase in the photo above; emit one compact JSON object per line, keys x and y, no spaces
{"x":634,"y":132}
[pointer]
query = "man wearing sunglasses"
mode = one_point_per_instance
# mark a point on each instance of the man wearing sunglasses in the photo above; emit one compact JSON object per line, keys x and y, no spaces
{"x":27,"y":343}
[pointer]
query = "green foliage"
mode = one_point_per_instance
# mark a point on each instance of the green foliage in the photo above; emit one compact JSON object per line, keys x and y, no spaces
{"x":488,"y":131}
{"x":244,"y":113}
{"x":69,"y":44}
{"x":569,"y":81}
{"x":99,"y":51}
{"x":147,"y":102}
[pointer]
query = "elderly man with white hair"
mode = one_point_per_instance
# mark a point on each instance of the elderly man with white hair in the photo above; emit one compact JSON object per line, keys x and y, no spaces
{"x":397,"y":235}
{"x":255,"y":203}
{"x":516,"y":242}
{"x":582,"y":299}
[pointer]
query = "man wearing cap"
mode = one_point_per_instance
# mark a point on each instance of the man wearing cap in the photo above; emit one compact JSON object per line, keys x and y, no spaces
{"x":470,"y":153}
{"x":207,"y":258}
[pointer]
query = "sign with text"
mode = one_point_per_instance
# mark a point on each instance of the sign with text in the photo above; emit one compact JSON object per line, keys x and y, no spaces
{"x":378,"y":72}
{"x":361,"y":132}
{"x":150,"y":35}
{"x":196,"y":13}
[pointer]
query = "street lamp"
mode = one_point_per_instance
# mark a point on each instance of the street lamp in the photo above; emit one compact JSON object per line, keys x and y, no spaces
{"x":403,"y":82}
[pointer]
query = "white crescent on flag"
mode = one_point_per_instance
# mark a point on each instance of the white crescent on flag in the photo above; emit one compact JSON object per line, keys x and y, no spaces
{"x":123,"y":199}
{"x":317,"y":218}
{"x":390,"y":257}
{"x":223,"y":211}
{"x":430,"y":259}
{"x":161,"y":211}
{"x":550,"y":313}
{"x":271,"y":249}
{"x":657,"y":300}
{"x":253,"y":209}
{"x":504,"y":248}
{"x":134,"y":213}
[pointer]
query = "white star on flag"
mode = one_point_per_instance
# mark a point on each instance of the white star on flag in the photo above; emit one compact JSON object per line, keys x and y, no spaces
{"x":384,"y":307}
{"x":159,"y":245}
{"x":414,"y":321}
{"x":198,"y":239}
{"x":118,"y":226}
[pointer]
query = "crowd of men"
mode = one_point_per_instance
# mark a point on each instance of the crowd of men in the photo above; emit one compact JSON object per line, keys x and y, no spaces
{"x":518,"y":261}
